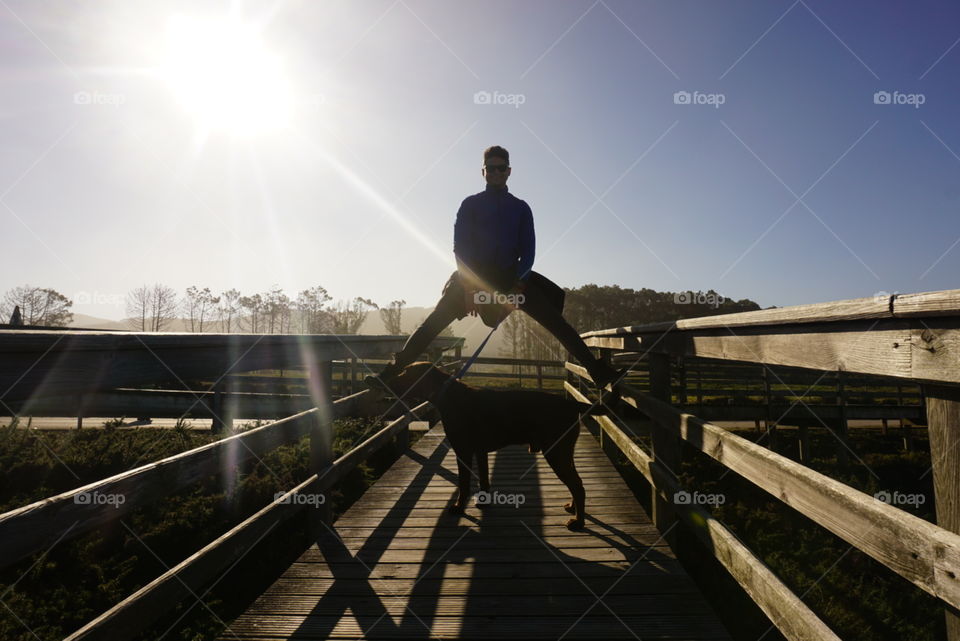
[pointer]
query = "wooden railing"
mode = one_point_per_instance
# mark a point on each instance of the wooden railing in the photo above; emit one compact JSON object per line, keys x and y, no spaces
{"x":39,"y":526}
{"x":914,"y":339}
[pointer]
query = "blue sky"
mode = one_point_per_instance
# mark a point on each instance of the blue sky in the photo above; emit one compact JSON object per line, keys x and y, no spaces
{"x":798,"y":188}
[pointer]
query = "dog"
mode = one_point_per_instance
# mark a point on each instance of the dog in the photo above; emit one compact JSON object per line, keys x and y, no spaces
{"x":478,"y":421}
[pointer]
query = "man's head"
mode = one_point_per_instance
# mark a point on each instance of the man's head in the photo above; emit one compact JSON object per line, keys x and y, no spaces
{"x":496,"y":165}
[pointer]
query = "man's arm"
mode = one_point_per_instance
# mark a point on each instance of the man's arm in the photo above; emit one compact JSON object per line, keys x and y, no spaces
{"x":528,"y":244}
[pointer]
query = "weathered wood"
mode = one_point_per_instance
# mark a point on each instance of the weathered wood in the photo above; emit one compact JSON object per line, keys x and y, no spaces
{"x":923,"y":553}
{"x":140,"y":609}
{"x":946,"y":302}
{"x":399,"y":540}
{"x":784,"y":608}
{"x":36,"y":526}
{"x":146,"y":605}
{"x":900,"y":348}
{"x":943,"y":419}
{"x":65,"y":361}
{"x":665,"y":446}
{"x":321,"y":435}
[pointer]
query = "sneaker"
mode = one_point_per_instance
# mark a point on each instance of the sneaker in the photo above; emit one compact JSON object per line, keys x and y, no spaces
{"x":379,"y":381}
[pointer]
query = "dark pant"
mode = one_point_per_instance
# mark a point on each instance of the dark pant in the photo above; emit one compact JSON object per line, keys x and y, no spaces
{"x":535,"y":303}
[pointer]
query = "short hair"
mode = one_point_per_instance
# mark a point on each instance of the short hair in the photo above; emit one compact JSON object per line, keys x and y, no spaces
{"x":496,"y":152}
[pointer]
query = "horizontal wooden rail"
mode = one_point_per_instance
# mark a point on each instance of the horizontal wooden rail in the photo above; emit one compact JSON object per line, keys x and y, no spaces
{"x":919,"y":551}
{"x":51,"y":362}
{"x":784,"y":608}
{"x":142,"y":608}
{"x":37,"y":526}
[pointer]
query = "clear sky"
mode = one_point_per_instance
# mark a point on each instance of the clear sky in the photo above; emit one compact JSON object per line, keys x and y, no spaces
{"x":330,"y":143}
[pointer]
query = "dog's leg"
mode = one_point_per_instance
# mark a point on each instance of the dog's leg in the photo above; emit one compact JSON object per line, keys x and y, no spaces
{"x":463,"y":483}
{"x":483,"y":471}
{"x":560,"y":459}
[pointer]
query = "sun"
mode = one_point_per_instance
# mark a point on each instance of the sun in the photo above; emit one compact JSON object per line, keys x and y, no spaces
{"x":224,"y":76}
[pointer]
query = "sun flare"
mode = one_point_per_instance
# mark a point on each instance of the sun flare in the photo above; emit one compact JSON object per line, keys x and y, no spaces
{"x":224,"y":76}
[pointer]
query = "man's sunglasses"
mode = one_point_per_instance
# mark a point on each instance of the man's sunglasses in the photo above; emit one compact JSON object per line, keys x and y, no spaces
{"x":500,"y":168}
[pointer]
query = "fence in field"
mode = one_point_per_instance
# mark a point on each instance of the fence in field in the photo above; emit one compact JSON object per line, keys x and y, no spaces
{"x":896,"y":345}
{"x":818,"y":365}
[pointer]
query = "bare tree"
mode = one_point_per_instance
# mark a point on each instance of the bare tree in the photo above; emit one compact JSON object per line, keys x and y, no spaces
{"x":347,"y":317}
{"x":312,"y":314}
{"x":198,"y":306}
{"x":227,"y":308}
{"x":152,"y":309}
{"x":254,"y":308}
{"x":38,"y":306}
{"x":391,"y":316}
{"x":138,"y":307}
{"x":277,"y":309}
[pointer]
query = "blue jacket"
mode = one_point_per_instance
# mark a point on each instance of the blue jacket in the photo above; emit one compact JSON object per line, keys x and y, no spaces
{"x":493,"y":236}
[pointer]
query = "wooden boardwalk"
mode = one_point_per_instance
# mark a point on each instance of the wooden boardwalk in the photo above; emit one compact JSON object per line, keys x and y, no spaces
{"x":396,"y":566}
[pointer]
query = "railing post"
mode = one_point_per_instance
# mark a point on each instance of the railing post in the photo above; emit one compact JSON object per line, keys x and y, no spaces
{"x":539,"y":376}
{"x":943,"y":419}
{"x":321,"y":440}
{"x":769,"y":423}
{"x":666,"y":447}
{"x":840,"y":424}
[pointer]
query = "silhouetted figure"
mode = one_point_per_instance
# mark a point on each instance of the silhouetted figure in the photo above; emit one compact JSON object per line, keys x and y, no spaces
{"x":16,"y":319}
{"x":493,"y":242}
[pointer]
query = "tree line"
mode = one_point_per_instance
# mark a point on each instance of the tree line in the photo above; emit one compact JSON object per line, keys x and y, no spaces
{"x":593,"y":307}
{"x":155,"y":308}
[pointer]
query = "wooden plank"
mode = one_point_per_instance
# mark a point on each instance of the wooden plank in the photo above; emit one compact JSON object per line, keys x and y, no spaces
{"x":397,"y":550}
{"x":943,"y":419}
{"x":946,"y":302}
{"x":784,"y":608}
{"x":148,"y":604}
{"x":923,"y":553}
{"x":140,"y":609}
{"x":69,"y":361}
{"x":37,"y":526}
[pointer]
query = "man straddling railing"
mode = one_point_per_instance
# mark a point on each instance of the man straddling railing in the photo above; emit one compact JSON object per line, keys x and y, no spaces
{"x":493,"y":241}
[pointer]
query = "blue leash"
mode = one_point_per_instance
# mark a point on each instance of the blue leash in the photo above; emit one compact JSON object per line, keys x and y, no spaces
{"x":467,"y":364}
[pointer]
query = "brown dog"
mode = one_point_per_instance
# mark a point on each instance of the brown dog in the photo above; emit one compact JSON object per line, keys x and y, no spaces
{"x":478,"y":421}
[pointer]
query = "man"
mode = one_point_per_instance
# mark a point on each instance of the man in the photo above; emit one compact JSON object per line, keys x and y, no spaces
{"x":493,"y":242}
